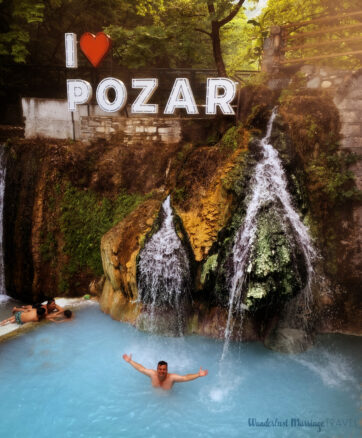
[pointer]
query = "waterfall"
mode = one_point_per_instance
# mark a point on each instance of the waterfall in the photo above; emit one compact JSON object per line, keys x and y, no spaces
{"x":164,"y":272}
{"x":3,"y":295}
{"x":268,"y":184}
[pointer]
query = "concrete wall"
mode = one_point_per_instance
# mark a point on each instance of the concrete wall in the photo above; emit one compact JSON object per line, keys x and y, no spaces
{"x":51,"y":118}
{"x":47,"y":118}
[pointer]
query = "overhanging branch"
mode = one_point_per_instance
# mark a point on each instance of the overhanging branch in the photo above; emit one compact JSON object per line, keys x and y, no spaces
{"x":204,"y":31}
{"x":232,"y":14}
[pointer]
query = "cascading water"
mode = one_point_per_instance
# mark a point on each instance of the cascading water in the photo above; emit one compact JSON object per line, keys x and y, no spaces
{"x":268,"y":184}
{"x":3,"y":295}
{"x":164,"y":272}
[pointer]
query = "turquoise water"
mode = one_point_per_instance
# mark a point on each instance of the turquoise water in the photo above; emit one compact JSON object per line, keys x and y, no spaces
{"x":69,"y":380}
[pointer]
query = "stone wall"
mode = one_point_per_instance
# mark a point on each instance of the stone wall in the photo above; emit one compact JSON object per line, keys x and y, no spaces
{"x":50,"y":118}
{"x":324,"y":77}
{"x":348,"y":99}
{"x":133,"y":130}
{"x":346,"y":90}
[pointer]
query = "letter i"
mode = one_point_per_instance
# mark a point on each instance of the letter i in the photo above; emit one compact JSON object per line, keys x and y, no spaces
{"x":71,"y":58}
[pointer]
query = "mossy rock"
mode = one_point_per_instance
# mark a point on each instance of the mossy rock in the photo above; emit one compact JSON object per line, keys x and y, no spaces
{"x":276,"y":267}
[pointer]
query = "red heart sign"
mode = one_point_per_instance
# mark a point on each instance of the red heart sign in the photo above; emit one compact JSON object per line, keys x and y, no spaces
{"x":95,"y":47}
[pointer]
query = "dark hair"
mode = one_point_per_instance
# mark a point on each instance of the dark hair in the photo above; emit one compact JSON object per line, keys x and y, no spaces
{"x":50,"y":300}
{"x":68,"y":313}
{"x":161,"y":362}
{"x":40,"y":311}
{"x":36,"y":306}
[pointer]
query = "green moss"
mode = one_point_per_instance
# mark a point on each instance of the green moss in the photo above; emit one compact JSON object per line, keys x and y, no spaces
{"x":274,"y":270}
{"x":230,"y":140}
{"x":178,"y":195}
{"x":48,"y":247}
{"x":84,"y":218}
{"x":209,"y":266}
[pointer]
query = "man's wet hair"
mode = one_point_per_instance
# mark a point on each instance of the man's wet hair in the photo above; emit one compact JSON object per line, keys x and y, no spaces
{"x":36,"y":305}
{"x":40,"y":311}
{"x":161,"y":362}
{"x":68,"y":313}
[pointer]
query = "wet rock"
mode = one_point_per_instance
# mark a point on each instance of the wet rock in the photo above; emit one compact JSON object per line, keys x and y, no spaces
{"x":288,"y":340}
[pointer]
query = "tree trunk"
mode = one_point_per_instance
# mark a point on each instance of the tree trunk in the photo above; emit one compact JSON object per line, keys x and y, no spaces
{"x":216,"y":47}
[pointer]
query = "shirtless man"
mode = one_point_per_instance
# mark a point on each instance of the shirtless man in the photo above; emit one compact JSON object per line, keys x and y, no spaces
{"x":51,"y":307}
{"x":161,"y":378}
{"x":25,"y":315}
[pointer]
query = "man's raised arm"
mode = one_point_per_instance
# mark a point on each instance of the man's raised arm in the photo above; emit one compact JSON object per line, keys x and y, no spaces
{"x":189,"y":377}
{"x":137,"y":366}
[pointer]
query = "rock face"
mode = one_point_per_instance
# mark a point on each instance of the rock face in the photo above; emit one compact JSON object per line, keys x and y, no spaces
{"x":62,"y":196}
{"x":211,"y":214}
{"x":74,"y":213}
{"x":119,"y":248}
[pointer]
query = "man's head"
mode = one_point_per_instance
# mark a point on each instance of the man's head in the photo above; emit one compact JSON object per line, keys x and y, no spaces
{"x":68,"y":313}
{"x":51,"y":304}
{"x":162,"y":370}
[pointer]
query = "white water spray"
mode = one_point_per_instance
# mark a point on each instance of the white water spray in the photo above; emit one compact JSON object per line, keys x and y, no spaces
{"x":3,"y":295}
{"x":164,"y":271}
{"x":268,"y":184}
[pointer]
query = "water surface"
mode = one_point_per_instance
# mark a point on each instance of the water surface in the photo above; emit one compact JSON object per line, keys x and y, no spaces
{"x":69,"y":380}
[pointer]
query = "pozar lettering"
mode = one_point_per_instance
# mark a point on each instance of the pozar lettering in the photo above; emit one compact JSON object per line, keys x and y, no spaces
{"x":220,"y":92}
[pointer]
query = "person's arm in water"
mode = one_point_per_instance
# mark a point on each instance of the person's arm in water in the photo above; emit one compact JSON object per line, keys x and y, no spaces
{"x":59,"y":317}
{"x":59,"y":309}
{"x":53,"y":315}
{"x":188,"y":377}
{"x":138,"y":366}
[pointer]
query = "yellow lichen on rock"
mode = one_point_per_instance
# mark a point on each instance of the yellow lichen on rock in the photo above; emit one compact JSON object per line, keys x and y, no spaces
{"x":119,"y":249}
{"x":208,"y":211}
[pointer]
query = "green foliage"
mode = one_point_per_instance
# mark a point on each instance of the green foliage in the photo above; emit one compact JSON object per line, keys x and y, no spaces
{"x":280,"y":12}
{"x":48,"y":248}
{"x":230,"y":140}
{"x":85,"y":217}
{"x":330,"y":178}
{"x":22,"y":17}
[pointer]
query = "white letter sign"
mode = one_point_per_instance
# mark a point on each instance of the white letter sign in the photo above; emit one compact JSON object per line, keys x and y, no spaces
{"x":102,"y":95}
{"x":181,"y":97}
{"x":79,"y":92}
{"x":140,"y":105}
{"x":71,"y":57}
{"x":214,"y":99}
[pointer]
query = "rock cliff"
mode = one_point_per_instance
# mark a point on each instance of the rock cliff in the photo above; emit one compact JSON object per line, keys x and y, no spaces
{"x":79,"y":214}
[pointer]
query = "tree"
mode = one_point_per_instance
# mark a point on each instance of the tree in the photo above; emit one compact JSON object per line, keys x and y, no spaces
{"x":174,"y":30}
{"x":220,"y":14}
{"x":18,"y":19}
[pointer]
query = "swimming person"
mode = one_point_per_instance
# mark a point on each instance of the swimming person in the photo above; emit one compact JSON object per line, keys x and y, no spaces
{"x":160,"y":378}
{"x":62,"y":316}
{"x":25,"y":315}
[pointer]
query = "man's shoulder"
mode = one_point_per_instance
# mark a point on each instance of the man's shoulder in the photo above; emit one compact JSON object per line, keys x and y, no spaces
{"x":173,"y":376}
